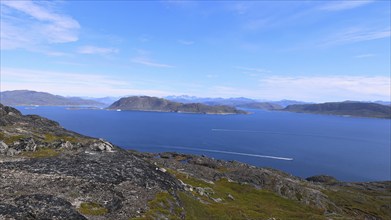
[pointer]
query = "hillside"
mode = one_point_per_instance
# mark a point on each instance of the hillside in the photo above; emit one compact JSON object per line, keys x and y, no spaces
{"x":357,"y":109}
{"x":146,"y":103}
{"x":261,"y":105}
{"x":48,"y":172}
{"x":27,"y":97}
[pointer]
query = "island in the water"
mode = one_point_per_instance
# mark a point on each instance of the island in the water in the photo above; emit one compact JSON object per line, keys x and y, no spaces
{"x":48,"y":172}
{"x":28,"y":97}
{"x":147,"y":103}
{"x":348,"y":108}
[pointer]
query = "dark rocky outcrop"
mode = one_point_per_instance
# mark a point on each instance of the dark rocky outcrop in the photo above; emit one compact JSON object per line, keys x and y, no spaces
{"x":146,"y":103}
{"x":357,"y":109}
{"x":322,"y":179}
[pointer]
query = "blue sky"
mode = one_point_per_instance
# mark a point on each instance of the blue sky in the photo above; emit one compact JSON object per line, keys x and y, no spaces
{"x":305,"y":50}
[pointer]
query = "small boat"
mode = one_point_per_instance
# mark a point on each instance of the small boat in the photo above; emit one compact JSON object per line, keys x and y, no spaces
{"x":118,"y":110}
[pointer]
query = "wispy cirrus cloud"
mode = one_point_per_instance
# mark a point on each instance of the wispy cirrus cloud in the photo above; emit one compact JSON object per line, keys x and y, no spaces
{"x":258,"y":70}
{"x":344,"y":5}
{"x":28,"y":24}
{"x":186,"y":42}
{"x":326,"y":88}
{"x":311,"y":88}
{"x":143,"y":58}
{"x":148,"y":62}
{"x":97,"y":50}
{"x":71,"y":83}
{"x":353,"y":35}
{"x":366,"y":55}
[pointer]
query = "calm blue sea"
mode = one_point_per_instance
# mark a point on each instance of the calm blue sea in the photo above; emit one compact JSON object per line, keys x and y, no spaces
{"x":350,"y":149}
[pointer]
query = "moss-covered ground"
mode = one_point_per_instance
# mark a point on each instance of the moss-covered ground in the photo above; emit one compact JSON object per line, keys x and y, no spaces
{"x":238,"y":201}
{"x":90,"y":208}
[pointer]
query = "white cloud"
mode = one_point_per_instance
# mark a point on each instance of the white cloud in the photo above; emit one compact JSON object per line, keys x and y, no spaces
{"x":70,"y":84}
{"x":97,"y":50}
{"x":145,"y":38}
{"x":144,"y":59}
{"x":186,"y":42}
{"x":326,"y":88}
{"x":309,"y":88}
{"x":26,"y":24}
{"x":354,"y":35}
{"x":251,"y":69}
{"x":147,"y":62}
{"x":344,"y":5}
{"x":210,"y":76}
{"x":365,"y":55}
{"x":240,"y":7}
{"x":256,"y":24}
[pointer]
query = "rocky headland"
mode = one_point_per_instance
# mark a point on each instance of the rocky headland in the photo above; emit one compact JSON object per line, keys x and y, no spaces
{"x":48,"y":172}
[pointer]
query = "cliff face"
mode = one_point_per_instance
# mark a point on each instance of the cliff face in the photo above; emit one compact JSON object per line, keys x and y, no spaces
{"x":146,"y":103}
{"x":358,"y":109}
{"x":47,"y":172}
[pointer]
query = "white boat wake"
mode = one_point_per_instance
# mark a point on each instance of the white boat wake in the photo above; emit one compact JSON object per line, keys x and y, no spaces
{"x":229,"y":152}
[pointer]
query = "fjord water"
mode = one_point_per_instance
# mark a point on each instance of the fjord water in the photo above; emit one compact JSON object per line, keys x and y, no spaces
{"x":350,"y":149}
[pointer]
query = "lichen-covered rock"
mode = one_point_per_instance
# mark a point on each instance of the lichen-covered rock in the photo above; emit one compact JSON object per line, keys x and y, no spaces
{"x":42,"y":206}
{"x":12,"y":152}
{"x":3,"y":147}
{"x":102,"y":145}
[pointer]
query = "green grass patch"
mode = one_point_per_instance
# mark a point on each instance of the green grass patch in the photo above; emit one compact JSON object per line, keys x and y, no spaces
{"x":162,"y":207}
{"x":248,"y":203}
{"x":362,"y":202}
{"x":188,"y":179}
{"x":91,"y":208}
{"x":11,"y":139}
{"x":51,"y":138}
{"x":41,"y":153}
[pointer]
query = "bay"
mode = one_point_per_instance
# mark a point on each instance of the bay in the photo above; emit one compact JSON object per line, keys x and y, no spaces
{"x":350,"y":149}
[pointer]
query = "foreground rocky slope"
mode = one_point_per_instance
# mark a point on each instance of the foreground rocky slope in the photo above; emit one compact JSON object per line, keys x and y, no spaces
{"x":146,"y":103}
{"x":47,"y":172}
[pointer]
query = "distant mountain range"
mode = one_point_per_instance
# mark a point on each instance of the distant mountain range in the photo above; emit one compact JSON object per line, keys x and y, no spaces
{"x":146,"y":103}
{"x":108,"y":100}
{"x":184,"y":103}
{"x":210,"y":101}
{"x":241,"y":102}
{"x":348,"y":108}
{"x":27,"y":97}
